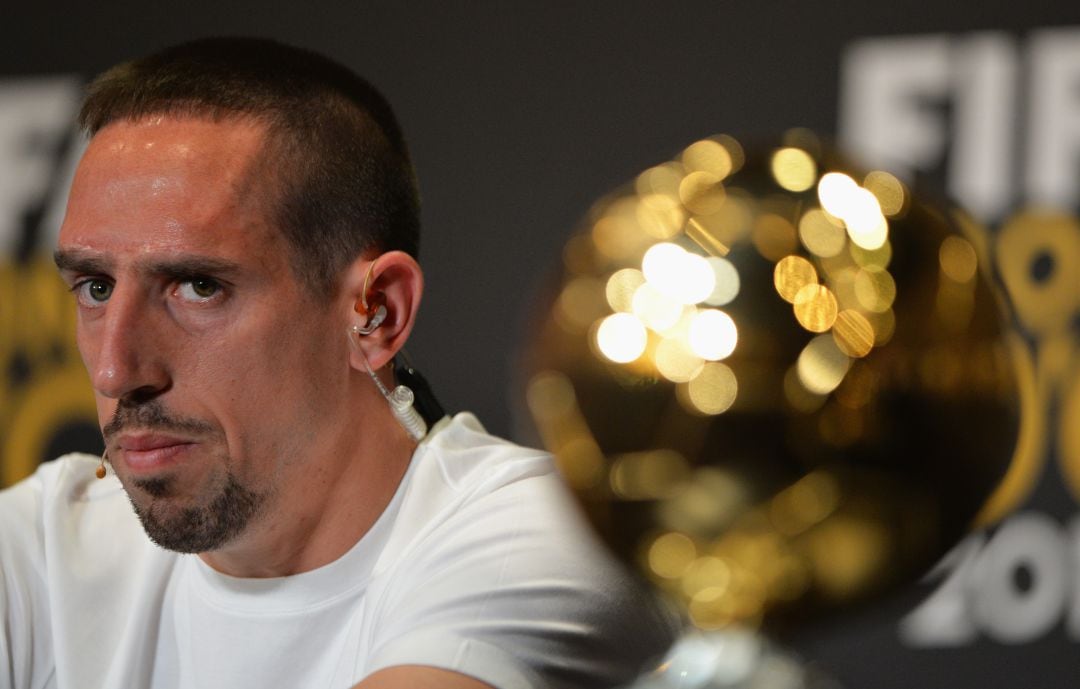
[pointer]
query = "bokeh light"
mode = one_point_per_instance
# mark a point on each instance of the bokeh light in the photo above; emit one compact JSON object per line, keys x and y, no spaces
{"x":726,"y":278}
{"x":712,"y":391}
{"x":794,"y":169}
{"x":821,"y":365}
{"x":655,"y":310}
{"x":853,"y":333}
{"x":888,"y":190}
{"x":820,"y":235}
{"x":836,"y":191}
{"x":791,"y":274}
{"x":708,"y":156}
{"x":958,"y":259}
{"x":815,"y":308}
{"x":701,"y":192}
{"x":676,"y":361}
{"x":620,"y":288}
{"x":621,"y":337}
{"x":713,"y":335}
{"x":681,"y":276}
{"x":671,"y":554}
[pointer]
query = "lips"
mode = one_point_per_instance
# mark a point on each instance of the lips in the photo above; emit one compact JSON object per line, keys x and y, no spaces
{"x":152,"y":452}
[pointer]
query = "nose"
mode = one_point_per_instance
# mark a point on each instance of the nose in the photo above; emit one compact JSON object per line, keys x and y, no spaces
{"x":126,"y":360}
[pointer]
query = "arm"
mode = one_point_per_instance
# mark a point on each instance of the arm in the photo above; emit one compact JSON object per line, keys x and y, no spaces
{"x":419,"y":677}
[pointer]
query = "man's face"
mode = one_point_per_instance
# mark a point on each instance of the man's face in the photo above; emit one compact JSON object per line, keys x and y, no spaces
{"x":216,"y":374}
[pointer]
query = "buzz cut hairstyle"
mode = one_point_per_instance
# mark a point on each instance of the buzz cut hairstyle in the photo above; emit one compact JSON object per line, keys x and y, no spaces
{"x":339,"y":171}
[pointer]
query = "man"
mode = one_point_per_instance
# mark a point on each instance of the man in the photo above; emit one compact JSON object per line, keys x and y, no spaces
{"x":240,"y":241}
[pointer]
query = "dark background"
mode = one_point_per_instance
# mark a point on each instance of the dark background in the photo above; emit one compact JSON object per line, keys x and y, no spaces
{"x":520,"y":116}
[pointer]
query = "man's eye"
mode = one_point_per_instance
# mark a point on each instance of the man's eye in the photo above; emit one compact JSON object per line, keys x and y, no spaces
{"x":93,"y":290}
{"x":198,"y":289}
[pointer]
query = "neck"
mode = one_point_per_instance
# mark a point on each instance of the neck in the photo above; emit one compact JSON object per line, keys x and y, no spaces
{"x":325,"y":505}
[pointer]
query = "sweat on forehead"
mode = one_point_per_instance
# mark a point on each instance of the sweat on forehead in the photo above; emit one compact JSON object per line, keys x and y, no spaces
{"x":169,"y":157}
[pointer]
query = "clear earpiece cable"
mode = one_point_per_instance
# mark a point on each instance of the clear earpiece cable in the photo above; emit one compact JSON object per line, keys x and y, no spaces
{"x":401,"y":404}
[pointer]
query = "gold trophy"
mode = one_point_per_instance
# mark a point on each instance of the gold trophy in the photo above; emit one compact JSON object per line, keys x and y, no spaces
{"x":779,"y":386}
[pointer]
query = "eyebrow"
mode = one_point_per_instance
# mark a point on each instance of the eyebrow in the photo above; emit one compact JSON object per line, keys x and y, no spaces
{"x":76,"y":261}
{"x":79,"y":262}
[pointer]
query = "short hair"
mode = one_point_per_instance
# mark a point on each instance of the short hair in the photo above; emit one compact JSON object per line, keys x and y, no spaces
{"x":345,"y":183}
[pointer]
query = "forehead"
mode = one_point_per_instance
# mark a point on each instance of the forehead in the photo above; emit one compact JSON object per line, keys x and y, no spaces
{"x":166,"y":183}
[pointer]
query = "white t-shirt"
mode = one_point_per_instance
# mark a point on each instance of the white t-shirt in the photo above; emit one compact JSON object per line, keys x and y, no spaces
{"x":480,"y":564}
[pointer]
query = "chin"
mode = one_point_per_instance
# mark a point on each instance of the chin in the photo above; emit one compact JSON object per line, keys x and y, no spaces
{"x":194,"y":526}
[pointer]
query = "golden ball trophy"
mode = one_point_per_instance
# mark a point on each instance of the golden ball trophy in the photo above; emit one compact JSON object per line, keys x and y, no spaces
{"x":779,"y":386}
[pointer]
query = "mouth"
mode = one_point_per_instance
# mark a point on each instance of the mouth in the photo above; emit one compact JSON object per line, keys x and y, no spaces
{"x":147,"y":453}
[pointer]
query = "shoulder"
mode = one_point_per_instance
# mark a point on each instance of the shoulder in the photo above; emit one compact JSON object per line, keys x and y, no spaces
{"x":61,"y":512}
{"x":68,"y":482}
{"x":55,"y":487}
{"x":468,"y":457}
{"x":467,"y":487}
{"x":460,"y":468}
{"x":75,"y":566}
{"x":70,"y":476}
{"x":503,"y":563}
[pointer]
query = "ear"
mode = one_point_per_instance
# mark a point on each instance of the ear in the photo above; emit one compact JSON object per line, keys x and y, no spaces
{"x":392,"y":280}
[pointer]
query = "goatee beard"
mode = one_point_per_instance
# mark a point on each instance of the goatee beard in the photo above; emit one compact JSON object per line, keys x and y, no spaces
{"x":196,"y":528}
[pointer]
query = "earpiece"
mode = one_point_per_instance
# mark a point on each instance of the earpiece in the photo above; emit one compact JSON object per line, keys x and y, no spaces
{"x":401,"y":398}
{"x":374,"y":322}
{"x":363,"y":308}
